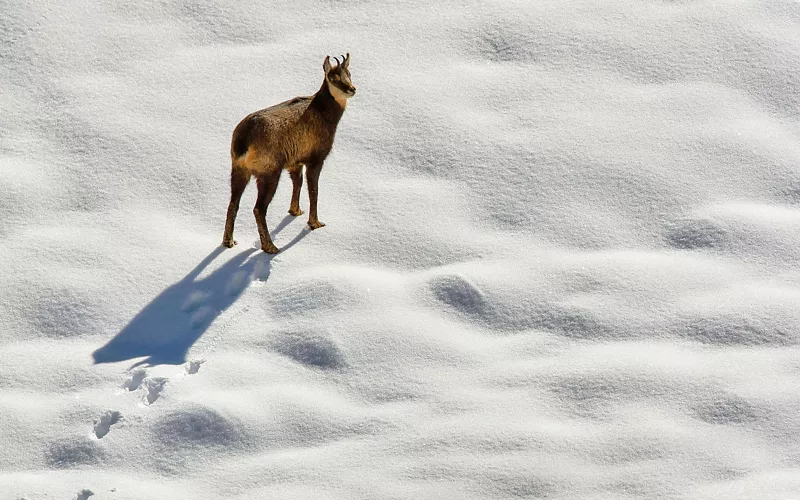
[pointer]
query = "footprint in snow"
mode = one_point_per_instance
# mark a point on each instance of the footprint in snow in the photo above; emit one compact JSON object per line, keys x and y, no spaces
{"x":151,"y":385}
{"x":85,"y":494}
{"x":154,"y":386}
{"x":193,"y":367}
{"x":135,"y":380}
{"x":103,"y":425}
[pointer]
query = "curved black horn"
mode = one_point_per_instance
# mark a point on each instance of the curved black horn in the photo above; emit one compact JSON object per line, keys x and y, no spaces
{"x":337,"y":61}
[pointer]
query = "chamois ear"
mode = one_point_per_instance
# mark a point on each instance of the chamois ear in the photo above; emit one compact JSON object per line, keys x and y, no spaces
{"x":327,"y":64}
{"x":346,"y":61}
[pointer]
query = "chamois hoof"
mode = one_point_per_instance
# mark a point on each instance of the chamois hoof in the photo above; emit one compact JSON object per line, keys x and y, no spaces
{"x":295,"y":212}
{"x":315,"y":225}
{"x":229,"y":243}
{"x":271,"y":248}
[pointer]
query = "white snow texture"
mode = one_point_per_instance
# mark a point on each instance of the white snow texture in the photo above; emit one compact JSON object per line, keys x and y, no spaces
{"x":561,"y":260}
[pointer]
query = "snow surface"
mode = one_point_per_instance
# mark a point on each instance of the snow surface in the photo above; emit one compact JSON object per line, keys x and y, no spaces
{"x":562,"y":257}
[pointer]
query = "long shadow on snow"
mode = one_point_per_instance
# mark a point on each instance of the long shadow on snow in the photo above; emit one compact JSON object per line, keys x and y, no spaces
{"x":172,"y":322}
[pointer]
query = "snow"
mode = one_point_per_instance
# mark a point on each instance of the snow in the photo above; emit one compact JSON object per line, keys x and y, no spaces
{"x":561,"y":258}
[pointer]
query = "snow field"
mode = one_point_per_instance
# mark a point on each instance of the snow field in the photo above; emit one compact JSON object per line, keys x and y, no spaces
{"x":560,"y":262}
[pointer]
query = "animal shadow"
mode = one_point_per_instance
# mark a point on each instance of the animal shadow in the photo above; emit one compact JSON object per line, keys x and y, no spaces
{"x":166,"y":328}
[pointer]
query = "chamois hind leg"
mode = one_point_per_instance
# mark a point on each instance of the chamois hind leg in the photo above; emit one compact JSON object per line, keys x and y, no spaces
{"x":296,"y":174}
{"x":239,"y":180}
{"x":267,"y":184}
{"x":312,"y":176}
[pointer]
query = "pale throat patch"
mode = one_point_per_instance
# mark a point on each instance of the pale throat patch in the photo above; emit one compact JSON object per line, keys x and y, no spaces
{"x":337,"y":94}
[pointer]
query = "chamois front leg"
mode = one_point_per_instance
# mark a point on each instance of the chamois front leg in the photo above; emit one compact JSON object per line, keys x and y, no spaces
{"x":239,"y":180}
{"x":312,"y":176}
{"x":267,"y":184}
{"x":297,"y":184}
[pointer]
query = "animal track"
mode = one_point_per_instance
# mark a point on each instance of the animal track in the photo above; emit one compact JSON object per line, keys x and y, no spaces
{"x":154,"y":386}
{"x":138,"y":379}
{"x":135,"y":380}
{"x":194,"y":366}
{"x":85,"y":494}
{"x":102,"y":426}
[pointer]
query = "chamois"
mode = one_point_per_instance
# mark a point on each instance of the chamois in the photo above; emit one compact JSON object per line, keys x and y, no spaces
{"x":287,"y":136}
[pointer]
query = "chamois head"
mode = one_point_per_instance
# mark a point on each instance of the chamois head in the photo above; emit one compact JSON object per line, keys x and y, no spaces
{"x":338,"y":78}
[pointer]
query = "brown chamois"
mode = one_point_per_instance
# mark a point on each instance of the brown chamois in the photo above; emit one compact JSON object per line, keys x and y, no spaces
{"x":287,"y":136}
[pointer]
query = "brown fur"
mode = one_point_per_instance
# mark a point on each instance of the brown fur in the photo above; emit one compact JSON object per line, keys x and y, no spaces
{"x":295,"y":133}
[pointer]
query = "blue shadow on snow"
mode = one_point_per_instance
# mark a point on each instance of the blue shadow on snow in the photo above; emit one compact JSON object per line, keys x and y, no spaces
{"x":173,"y":321}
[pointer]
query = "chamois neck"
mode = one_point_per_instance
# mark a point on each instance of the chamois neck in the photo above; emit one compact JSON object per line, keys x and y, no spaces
{"x":327,"y":104}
